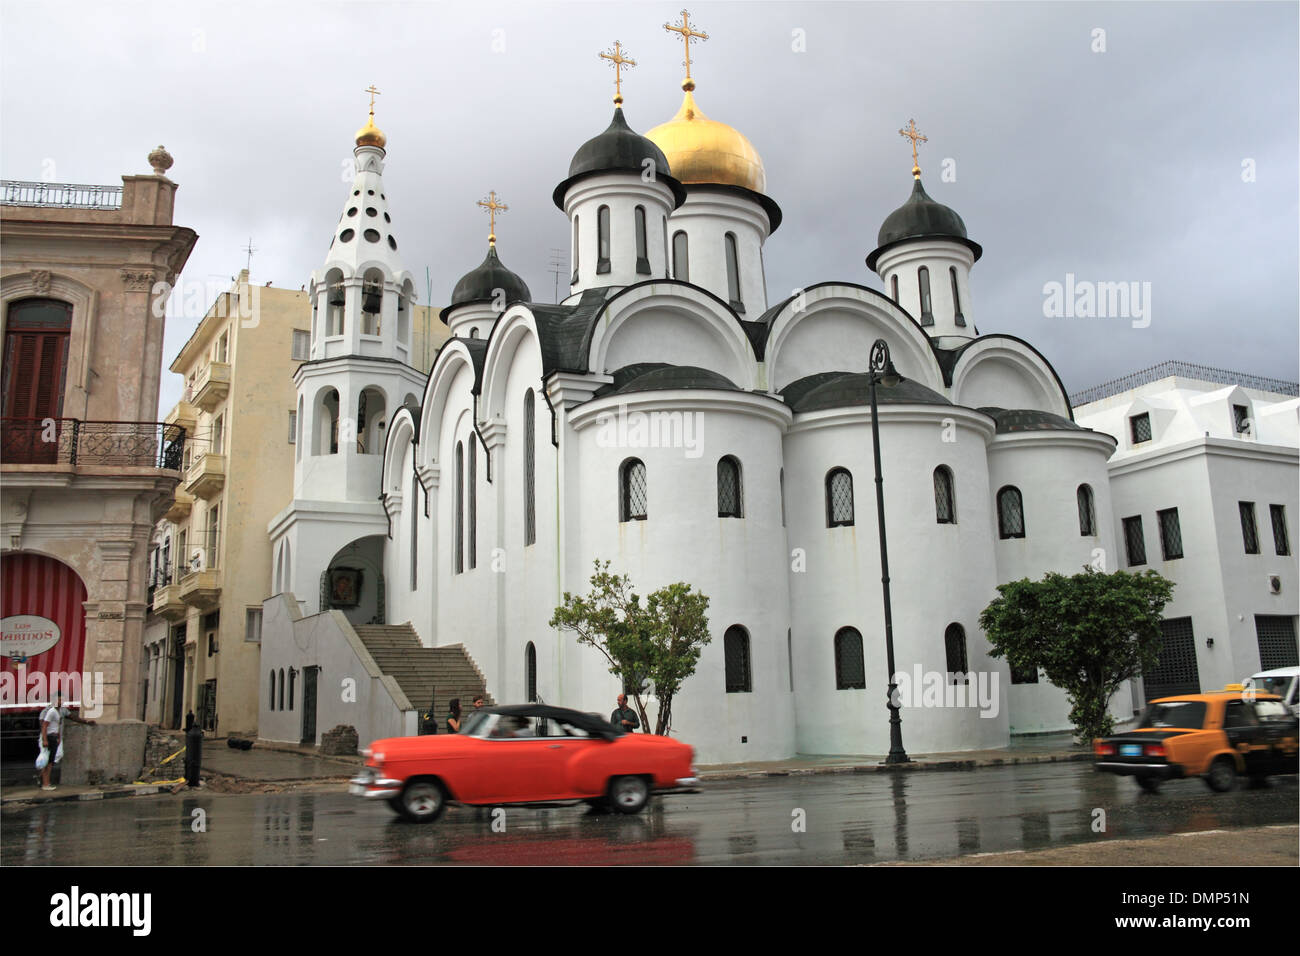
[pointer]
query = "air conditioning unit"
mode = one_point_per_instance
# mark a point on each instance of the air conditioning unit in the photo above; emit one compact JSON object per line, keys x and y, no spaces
{"x":1275,"y":584}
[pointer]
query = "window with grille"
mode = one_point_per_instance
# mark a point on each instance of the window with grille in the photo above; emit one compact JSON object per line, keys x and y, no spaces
{"x":473,"y":505}
{"x":1140,"y":427}
{"x":253,"y":625}
{"x":602,"y":240}
{"x":1241,"y":419}
{"x":458,"y":554}
{"x":850,"y":671}
{"x":1134,"y":542}
{"x":1277,"y":641}
{"x":1281,"y":543}
{"x":729,"y":505}
{"x":642,"y":258}
{"x":530,"y":469}
{"x":530,"y":672}
{"x":1249,"y":530}
{"x":954,"y":645}
{"x":944,"y":511}
{"x":681,"y":258}
{"x":735,"y":645}
{"x":839,"y":498}
{"x":1011,"y":513}
{"x":301,"y":345}
{"x":1175,"y":671}
{"x":1087,"y":516}
{"x":923,"y":280}
{"x":1171,"y":535}
{"x":632,"y":491}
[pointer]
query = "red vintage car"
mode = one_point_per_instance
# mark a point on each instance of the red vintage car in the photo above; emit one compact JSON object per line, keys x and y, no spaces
{"x":524,"y":754}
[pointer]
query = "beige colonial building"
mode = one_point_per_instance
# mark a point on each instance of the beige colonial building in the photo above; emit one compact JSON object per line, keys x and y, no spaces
{"x":86,"y":466}
{"x":212,"y":556}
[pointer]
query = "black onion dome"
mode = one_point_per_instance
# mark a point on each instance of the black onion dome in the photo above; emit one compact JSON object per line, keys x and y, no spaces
{"x":618,"y":149}
{"x":921,"y":218}
{"x":844,"y":389}
{"x":656,"y":376}
{"x":483,"y":282}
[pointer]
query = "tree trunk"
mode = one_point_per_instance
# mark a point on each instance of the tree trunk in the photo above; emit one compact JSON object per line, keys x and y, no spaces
{"x":640,"y":709}
{"x":665,"y":719}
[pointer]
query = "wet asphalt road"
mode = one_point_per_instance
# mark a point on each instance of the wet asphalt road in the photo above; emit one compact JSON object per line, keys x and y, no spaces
{"x":846,"y":819}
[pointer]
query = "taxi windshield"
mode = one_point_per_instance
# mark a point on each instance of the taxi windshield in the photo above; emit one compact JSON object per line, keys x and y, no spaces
{"x":1175,"y":713}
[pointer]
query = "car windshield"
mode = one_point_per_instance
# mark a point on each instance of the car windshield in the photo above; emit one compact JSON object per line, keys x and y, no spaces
{"x":1273,"y":685}
{"x":477,"y":723}
{"x":1272,"y":710}
{"x":1174,"y":713}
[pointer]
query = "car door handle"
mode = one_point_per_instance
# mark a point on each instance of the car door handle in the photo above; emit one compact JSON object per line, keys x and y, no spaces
{"x":554,"y":746}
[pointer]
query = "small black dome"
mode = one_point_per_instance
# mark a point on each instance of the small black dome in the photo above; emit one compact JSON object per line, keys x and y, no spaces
{"x":483,"y":282}
{"x":1013,"y":420}
{"x":921,"y":218}
{"x":846,"y":389}
{"x":618,"y":149}
{"x":654,"y":376}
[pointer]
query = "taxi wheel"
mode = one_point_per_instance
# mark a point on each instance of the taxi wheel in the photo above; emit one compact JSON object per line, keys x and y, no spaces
{"x":629,"y":794}
{"x":1222,"y":776}
{"x":1149,"y":784}
{"x":422,"y":801}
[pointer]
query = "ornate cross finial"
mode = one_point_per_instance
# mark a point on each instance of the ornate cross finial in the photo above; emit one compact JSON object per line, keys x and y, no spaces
{"x":491,"y":205}
{"x":373,"y":92}
{"x":684,"y":28}
{"x":914,"y":134}
{"x":617,"y":60}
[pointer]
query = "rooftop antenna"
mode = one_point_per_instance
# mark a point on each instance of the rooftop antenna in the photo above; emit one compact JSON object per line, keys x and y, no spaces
{"x":557,"y":267}
{"x":250,"y":250}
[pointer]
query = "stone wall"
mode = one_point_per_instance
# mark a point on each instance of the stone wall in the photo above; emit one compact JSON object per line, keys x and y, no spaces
{"x":103,"y":753}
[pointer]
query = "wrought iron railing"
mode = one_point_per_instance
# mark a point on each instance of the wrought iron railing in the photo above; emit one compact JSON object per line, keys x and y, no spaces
{"x":71,"y":441}
{"x":1203,"y":373}
{"x":67,"y":195}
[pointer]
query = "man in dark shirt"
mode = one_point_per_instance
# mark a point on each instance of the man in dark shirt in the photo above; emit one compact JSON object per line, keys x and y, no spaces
{"x":624,"y":717}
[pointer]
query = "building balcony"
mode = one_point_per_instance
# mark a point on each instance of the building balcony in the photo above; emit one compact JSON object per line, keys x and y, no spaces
{"x":181,"y":506}
{"x":201,"y":589}
{"x":213,"y":386}
{"x":185,"y":415}
{"x":167,"y":602}
{"x":71,"y":441}
{"x":207,"y":476}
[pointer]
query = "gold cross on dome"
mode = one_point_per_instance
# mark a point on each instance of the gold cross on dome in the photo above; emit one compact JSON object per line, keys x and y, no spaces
{"x":684,"y":28}
{"x":373,"y":92}
{"x":914,"y":134}
{"x":617,"y":60}
{"x":491,"y":205}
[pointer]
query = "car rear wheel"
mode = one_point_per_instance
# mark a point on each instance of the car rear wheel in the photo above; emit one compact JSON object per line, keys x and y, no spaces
{"x":629,"y":794}
{"x":1149,"y":784}
{"x":422,"y":801}
{"x":1222,"y":776}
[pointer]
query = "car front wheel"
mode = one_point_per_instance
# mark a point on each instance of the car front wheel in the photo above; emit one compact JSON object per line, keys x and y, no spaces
{"x":1222,"y":776}
{"x":422,"y":801}
{"x":629,"y":794}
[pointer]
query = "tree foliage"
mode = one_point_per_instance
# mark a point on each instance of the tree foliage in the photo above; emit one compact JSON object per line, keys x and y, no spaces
{"x":1089,"y":632}
{"x":656,"y":642}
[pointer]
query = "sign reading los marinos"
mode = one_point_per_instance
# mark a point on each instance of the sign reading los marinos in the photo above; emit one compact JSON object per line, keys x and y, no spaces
{"x":26,"y":635}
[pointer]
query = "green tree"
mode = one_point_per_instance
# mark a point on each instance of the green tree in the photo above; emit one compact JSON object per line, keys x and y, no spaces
{"x":1089,"y":632}
{"x":657,"y":641}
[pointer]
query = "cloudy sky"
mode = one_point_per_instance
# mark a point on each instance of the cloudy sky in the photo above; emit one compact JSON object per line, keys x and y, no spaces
{"x":1148,"y":143}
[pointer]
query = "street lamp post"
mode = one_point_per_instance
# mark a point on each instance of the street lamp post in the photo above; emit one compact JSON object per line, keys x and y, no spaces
{"x":882,"y":371}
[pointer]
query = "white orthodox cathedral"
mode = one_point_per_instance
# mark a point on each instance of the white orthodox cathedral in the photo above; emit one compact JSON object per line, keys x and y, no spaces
{"x":667,"y":417}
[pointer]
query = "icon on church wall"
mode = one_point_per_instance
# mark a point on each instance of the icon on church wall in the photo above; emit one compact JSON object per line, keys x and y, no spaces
{"x":345,"y":587}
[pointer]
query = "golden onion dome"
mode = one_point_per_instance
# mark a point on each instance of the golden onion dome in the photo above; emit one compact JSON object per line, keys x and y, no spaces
{"x":701,"y":150}
{"x":371,"y":135}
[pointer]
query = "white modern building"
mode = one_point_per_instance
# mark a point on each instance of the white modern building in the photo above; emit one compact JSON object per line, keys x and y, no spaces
{"x":1204,"y":490}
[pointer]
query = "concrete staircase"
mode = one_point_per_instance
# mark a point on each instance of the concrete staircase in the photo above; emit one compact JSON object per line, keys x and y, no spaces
{"x":425,"y":674}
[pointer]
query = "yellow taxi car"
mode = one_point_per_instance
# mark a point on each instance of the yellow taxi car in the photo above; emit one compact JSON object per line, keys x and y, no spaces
{"x":1216,"y":736}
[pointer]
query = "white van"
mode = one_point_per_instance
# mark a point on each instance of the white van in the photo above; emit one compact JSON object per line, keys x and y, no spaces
{"x":1285,"y":682}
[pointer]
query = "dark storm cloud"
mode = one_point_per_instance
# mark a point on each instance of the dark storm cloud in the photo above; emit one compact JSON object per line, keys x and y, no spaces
{"x":1122,"y":165}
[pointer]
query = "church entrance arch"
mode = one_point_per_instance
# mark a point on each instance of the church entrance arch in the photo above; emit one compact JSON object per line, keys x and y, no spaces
{"x":353,"y":582}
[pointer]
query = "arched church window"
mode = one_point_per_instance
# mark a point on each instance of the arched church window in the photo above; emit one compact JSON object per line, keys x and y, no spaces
{"x":602,"y":240}
{"x":733,"y":272}
{"x":297,"y":438}
{"x":923,"y":279}
{"x":473,"y":332}
{"x":954,"y":644}
{"x":735,"y":645}
{"x":530,"y":672}
{"x":413,"y":505}
{"x":632,"y":491}
{"x":729,"y":503}
{"x":681,"y":260}
{"x":574,"y":280}
{"x":1087,"y":519}
{"x":270,"y":704}
{"x":372,"y":302}
{"x":530,"y":469}
{"x":473,"y":505}
{"x":944,"y":510}
{"x":335,"y":299}
{"x":839,"y":498}
{"x":893,"y":285}
{"x":281,"y":701}
{"x":956,"y":298}
{"x":293,"y":679}
{"x":1011,"y":513}
{"x":458,"y":554}
{"x":781,"y":481}
{"x":850,"y":669}
{"x":642,"y":254}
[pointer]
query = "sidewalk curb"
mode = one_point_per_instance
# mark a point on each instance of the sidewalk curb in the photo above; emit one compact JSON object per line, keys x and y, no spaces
{"x":914,"y":766}
{"x":113,"y":794}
